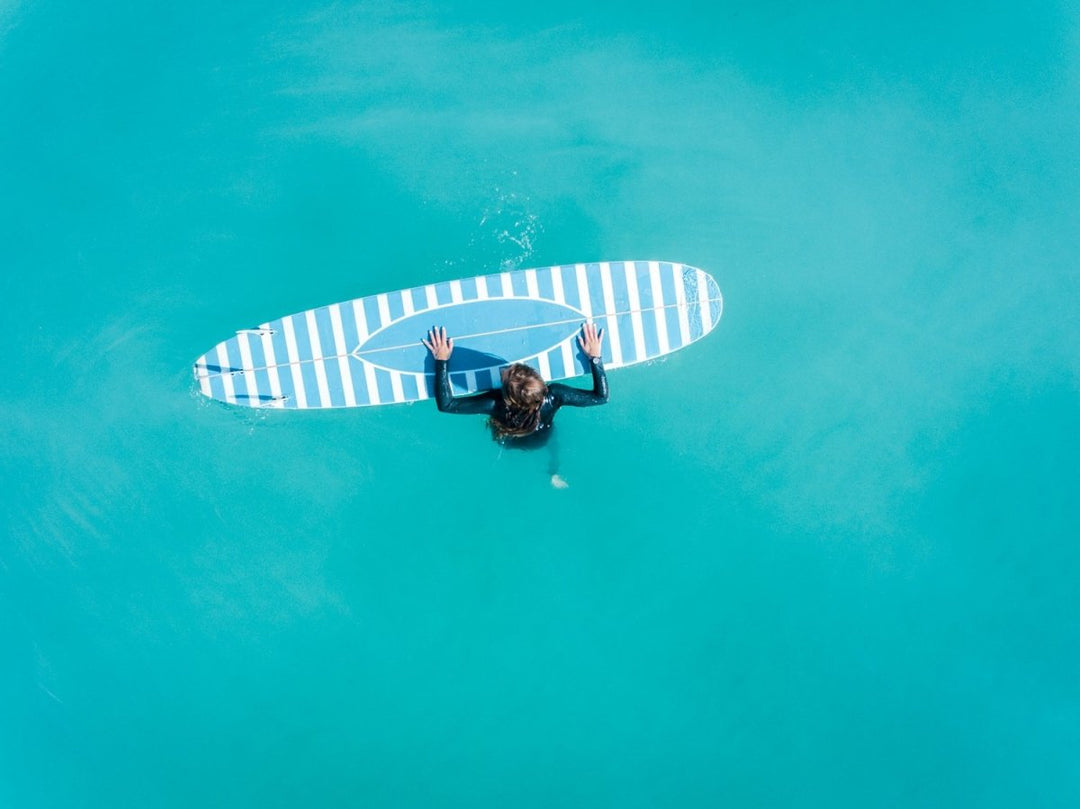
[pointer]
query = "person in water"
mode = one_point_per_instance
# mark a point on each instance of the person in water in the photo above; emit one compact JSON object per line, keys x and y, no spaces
{"x":520,"y":414}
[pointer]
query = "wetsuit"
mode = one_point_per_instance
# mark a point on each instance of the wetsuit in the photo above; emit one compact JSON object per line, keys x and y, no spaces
{"x":490,"y":403}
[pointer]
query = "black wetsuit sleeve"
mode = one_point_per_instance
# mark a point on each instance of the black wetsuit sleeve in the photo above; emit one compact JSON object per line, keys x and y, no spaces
{"x":576,"y":397}
{"x":483,"y":404}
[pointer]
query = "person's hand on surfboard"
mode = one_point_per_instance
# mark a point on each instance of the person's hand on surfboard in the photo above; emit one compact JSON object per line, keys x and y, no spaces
{"x":439,"y":344}
{"x":590,"y":340}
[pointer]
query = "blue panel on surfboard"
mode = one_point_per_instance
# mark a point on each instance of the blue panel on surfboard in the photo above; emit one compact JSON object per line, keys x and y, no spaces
{"x":367,"y":351}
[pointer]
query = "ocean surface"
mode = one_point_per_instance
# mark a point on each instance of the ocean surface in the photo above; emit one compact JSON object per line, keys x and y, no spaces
{"x":827,"y":557}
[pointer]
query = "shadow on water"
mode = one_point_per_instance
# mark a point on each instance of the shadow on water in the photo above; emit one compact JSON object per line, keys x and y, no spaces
{"x":467,"y":359}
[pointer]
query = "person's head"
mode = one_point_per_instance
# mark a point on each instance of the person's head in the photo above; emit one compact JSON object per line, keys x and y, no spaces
{"x":523,"y":392}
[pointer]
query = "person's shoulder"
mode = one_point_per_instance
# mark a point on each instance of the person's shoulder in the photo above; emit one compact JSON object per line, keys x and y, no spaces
{"x":558,"y":391}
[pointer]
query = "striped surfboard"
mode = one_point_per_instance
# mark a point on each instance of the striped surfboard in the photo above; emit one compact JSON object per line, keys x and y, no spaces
{"x":367,"y":351}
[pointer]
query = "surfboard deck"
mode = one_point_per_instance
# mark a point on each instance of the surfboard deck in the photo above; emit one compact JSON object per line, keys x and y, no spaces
{"x":367,"y":351}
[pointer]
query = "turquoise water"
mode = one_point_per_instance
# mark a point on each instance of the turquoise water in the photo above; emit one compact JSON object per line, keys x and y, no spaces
{"x":826,"y":557}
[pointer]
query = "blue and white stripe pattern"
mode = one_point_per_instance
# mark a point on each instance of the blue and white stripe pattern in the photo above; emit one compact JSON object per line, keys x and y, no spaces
{"x":367,"y":351}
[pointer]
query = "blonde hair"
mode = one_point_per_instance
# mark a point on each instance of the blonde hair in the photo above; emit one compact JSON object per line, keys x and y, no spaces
{"x":523,"y":392}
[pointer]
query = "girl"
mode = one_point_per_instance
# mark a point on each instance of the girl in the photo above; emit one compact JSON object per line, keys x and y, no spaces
{"x":520,"y":414}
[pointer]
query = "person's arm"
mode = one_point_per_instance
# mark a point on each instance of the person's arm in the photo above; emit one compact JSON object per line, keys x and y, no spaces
{"x":441,"y":347}
{"x":482,"y":404}
{"x":590,"y":341}
{"x":576,"y":397}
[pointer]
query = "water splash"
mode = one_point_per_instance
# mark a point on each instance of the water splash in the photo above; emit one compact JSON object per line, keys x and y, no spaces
{"x":507,"y":232}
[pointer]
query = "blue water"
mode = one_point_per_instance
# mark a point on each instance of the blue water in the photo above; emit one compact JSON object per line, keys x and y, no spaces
{"x":826,"y":557}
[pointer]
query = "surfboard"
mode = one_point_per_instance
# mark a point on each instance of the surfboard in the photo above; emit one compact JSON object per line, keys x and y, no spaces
{"x":367,"y":351}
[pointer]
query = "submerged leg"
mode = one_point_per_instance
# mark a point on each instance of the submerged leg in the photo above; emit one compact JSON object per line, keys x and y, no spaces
{"x":544,"y":439}
{"x":553,"y":462}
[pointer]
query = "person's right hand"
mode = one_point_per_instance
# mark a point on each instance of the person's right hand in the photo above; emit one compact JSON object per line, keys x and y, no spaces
{"x":438,"y":343}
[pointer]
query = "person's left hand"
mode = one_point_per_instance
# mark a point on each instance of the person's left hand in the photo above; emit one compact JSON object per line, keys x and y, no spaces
{"x":591,"y":339}
{"x":439,"y":344}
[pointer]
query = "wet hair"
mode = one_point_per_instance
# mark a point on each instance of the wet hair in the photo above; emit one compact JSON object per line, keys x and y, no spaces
{"x":523,"y":393}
